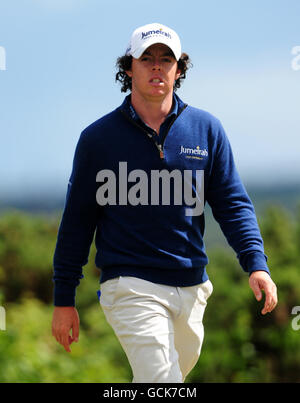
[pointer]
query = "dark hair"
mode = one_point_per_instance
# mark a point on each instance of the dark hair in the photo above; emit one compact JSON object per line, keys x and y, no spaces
{"x":124,"y":64}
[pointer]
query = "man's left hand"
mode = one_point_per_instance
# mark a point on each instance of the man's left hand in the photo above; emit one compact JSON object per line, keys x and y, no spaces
{"x":260,"y":280}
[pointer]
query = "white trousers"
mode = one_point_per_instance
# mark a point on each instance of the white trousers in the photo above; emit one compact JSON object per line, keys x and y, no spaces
{"x":159,"y":327}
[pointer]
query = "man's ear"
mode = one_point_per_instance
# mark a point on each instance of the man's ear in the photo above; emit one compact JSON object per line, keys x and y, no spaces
{"x":177,"y":75}
{"x":129,"y":73}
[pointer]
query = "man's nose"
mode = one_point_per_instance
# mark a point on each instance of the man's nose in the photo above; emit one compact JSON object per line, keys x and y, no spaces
{"x":156,"y":65}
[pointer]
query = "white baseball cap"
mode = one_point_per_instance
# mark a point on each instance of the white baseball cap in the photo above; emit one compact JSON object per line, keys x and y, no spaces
{"x":148,"y":35}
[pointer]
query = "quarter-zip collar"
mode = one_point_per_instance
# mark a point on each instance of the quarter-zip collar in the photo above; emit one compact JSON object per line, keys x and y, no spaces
{"x":128,"y":108}
{"x":177,"y":107}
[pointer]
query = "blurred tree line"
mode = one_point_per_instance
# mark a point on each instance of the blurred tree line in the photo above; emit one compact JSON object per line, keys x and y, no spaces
{"x":240,"y":344}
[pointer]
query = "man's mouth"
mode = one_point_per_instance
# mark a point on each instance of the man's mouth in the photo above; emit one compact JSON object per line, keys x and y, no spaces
{"x":156,"y":80}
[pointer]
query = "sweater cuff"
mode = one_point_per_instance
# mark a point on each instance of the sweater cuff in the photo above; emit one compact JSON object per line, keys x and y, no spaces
{"x":256,"y":261}
{"x":64,"y":294}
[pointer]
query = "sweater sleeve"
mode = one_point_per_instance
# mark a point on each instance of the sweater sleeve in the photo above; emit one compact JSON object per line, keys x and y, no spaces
{"x":77,"y":226}
{"x":233,"y":209}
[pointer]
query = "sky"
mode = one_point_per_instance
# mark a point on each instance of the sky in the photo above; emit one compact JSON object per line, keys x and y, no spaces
{"x":57,"y":75}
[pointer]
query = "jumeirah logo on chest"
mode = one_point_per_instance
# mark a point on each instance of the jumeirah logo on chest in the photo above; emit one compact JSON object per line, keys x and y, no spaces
{"x":196,"y":152}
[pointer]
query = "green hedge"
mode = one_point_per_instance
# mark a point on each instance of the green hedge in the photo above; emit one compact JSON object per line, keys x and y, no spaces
{"x":240,"y":344}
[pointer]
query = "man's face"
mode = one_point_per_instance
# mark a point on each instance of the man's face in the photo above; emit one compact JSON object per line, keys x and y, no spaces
{"x":154,"y":73}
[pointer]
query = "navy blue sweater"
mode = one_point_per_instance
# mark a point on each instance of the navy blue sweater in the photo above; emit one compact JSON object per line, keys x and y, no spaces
{"x":152,"y":240}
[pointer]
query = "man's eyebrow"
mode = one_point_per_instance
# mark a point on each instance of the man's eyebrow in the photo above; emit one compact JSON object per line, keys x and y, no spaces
{"x":169,"y":53}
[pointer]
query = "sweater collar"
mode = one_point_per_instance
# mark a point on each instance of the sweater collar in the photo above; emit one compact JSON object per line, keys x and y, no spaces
{"x":130,"y":111}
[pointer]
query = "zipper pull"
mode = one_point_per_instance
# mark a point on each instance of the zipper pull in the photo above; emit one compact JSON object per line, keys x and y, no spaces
{"x":161,"y":152}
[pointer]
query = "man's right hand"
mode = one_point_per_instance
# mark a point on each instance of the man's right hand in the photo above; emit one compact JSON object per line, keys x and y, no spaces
{"x":64,"y":319}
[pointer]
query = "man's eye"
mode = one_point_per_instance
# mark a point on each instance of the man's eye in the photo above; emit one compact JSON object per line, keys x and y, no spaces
{"x":145,"y":58}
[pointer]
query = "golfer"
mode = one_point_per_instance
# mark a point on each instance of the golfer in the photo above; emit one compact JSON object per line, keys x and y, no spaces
{"x":140,"y":179}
